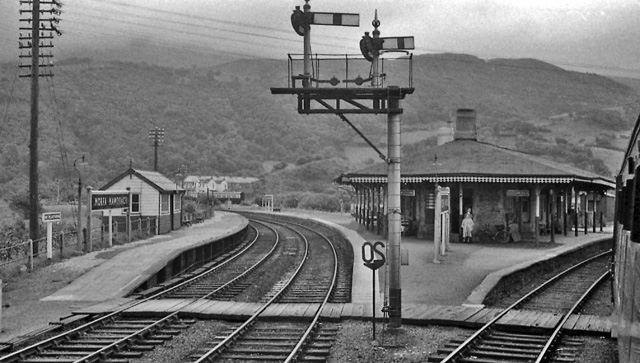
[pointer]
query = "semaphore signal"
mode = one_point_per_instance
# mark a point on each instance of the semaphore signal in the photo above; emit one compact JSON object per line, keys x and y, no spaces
{"x":302,"y":21}
{"x":342,"y":100}
{"x":373,"y":47}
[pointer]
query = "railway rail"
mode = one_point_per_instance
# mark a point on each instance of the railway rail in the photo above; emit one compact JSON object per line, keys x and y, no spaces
{"x":233,"y":276}
{"x":120,"y":336}
{"x":492,"y":343}
{"x":255,"y":340}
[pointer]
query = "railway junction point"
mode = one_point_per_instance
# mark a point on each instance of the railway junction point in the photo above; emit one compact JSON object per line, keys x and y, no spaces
{"x":457,"y":285}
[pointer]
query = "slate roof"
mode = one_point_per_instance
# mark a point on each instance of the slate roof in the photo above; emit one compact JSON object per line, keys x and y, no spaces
{"x":153,"y":178}
{"x":470,"y":160}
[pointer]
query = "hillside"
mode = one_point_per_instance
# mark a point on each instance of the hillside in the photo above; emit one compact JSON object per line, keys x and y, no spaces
{"x":224,"y":120}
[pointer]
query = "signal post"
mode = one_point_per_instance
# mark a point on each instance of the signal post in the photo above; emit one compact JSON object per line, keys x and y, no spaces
{"x":368,"y":96}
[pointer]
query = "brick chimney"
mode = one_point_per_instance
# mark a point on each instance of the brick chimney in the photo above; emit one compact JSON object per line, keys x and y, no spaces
{"x":465,"y":128}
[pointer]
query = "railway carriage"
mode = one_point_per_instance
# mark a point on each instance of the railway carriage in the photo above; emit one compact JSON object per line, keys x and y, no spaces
{"x":626,"y":267}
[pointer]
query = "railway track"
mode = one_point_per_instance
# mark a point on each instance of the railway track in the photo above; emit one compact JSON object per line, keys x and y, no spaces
{"x":563,"y":295}
{"x":233,"y":276}
{"x":342,"y":290}
{"x":121,"y":336}
{"x":259,"y":339}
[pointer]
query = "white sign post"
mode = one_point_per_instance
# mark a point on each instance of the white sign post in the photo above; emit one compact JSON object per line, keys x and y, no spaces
{"x":49,"y":218}
{"x":110,"y":228}
{"x":107,"y":200}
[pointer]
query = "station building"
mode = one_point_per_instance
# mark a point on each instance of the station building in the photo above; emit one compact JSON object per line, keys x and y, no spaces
{"x":501,"y":187}
{"x":153,"y":196}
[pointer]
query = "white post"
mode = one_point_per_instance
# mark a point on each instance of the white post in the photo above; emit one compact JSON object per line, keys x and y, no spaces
{"x":537,"y":217}
{"x":437,"y":226}
{"x":129,"y":216}
{"x":443,"y":232}
{"x":90,"y":210}
{"x":31,"y":255}
{"x":49,"y":240}
{"x":110,"y":240}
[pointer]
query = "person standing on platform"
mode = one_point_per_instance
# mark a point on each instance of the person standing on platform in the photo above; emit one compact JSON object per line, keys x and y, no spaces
{"x":467,"y":226}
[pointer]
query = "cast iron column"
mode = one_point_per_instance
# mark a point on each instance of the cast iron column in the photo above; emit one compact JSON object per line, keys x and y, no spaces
{"x":393,"y":170}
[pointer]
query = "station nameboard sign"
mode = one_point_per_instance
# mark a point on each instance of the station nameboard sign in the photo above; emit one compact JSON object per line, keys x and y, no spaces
{"x":517,"y":193}
{"x":407,"y":192}
{"x":51,"y":217}
{"x":109,"y":201}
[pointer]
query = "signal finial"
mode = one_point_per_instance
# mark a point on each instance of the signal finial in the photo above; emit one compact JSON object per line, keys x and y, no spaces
{"x":376,"y":24}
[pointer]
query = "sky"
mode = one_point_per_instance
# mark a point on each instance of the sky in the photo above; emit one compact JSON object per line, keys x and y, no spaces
{"x":599,"y":36}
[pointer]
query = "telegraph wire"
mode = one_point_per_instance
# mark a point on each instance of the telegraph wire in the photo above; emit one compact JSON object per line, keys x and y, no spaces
{"x":190,"y":16}
{"x":169,"y":47}
{"x":60,"y":131}
{"x":215,"y":50}
{"x":6,"y":109}
{"x":201,"y":26}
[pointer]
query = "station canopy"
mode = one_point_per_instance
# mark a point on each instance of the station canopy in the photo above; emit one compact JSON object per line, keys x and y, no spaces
{"x":471,"y":161}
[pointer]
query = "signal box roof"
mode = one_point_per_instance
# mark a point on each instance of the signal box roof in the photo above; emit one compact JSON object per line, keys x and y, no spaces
{"x":153,"y":178}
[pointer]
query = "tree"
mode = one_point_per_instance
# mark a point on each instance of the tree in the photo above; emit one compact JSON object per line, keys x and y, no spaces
{"x":20,"y":204}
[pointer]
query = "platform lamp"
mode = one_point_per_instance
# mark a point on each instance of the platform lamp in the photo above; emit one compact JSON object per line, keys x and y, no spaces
{"x":79,"y":233}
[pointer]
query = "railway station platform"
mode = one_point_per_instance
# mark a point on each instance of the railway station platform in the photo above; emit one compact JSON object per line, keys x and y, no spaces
{"x":119,"y":275}
{"x":431,"y":293}
{"x":465,"y":275}
{"x":112,"y":273}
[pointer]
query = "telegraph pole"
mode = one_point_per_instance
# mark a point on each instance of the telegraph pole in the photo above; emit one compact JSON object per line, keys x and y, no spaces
{"x":37,"y":34}
{"x":34,"y":224}
{"x":156,"y":136}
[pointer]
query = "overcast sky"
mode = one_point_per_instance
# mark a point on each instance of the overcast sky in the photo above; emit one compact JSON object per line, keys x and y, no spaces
{"x":602,"y":36}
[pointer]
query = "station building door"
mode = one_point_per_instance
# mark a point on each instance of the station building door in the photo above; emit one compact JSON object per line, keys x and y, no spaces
{"x":456,"y":213}
{"x":408,"y":208}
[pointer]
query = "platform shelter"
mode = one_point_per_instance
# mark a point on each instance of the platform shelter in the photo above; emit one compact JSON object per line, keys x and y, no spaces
{"x":500,"y":187}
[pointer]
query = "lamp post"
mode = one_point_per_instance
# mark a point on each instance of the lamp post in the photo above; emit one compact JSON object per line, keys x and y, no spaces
{"x":79,"y":233}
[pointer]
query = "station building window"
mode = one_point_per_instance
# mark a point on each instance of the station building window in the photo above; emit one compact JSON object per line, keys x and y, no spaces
{"x":164,"y":203}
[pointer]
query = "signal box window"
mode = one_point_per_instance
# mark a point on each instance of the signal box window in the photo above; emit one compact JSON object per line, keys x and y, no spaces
{"x":164,"y":203}
{"x":135,"y":203}
{"x":177,"y":202}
